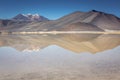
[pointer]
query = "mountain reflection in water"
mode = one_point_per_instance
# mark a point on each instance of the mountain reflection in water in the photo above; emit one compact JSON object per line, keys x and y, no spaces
{"x":53,"y":57}
{"x":74,"y":42}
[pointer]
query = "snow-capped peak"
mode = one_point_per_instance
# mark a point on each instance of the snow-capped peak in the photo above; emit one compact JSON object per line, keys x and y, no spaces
{"x":29,"y":14}
{"x":36,"y":15}
{"x":30,"y":17}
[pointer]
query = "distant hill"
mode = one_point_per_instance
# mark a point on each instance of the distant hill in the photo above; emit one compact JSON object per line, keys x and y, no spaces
{"x":19,"y":21}
{"x":76,"y":21}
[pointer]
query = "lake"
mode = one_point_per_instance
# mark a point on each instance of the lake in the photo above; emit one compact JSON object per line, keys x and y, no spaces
{"x":60,"y":57}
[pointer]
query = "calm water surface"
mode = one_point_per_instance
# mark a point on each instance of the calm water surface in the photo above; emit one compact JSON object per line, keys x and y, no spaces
{"x":60,"y":57}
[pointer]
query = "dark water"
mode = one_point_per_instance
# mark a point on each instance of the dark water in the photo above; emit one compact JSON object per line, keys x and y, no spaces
{"x":60,"y":57}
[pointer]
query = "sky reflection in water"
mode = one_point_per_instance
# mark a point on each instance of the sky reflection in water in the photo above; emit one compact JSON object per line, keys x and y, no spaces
{"x":56,"y":57}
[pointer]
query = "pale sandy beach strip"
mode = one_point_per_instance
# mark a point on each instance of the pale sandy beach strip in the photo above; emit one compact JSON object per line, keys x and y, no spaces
{"x":64,"y":32}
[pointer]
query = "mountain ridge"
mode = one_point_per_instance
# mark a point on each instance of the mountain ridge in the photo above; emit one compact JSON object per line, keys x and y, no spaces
{"x":76,"y":21}
{"x":29,"y":17}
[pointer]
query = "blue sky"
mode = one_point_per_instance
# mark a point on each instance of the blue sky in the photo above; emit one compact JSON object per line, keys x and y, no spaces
{"x":54,"y":9}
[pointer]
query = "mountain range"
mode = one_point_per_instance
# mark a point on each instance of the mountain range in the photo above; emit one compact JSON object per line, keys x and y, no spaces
{"x":77,"y":21}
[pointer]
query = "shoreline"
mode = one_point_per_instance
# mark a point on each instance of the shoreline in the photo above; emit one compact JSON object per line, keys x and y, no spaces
{"x":63,"y":32}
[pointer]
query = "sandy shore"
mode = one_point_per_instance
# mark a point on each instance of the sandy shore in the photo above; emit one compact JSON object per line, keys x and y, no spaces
{"x":64,"y":32}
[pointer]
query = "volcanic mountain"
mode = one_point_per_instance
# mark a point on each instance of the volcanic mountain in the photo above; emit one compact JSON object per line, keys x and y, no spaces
{"x":76,"y":21}
{"x":19,"y":21}
{"x":29,"y":17}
